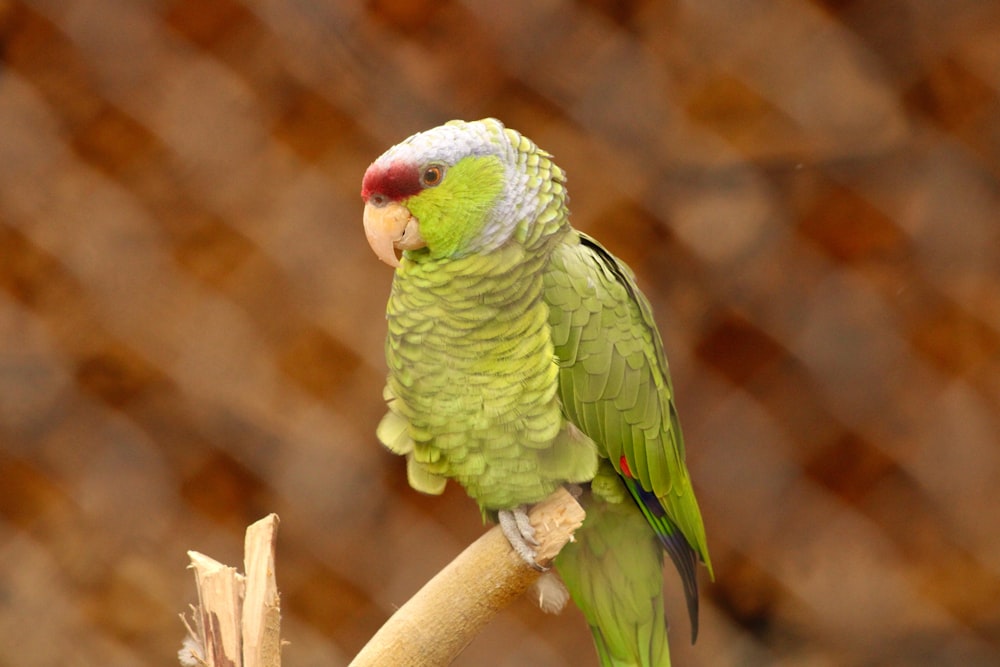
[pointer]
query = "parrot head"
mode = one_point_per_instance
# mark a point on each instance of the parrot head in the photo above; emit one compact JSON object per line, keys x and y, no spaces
{"x":457,"y":189}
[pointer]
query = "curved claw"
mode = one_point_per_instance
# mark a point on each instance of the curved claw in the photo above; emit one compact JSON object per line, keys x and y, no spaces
{"x":520,"y":533}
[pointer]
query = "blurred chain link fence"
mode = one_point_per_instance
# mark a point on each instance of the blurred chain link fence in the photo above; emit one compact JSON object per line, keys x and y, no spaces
{"x":191,"y":322}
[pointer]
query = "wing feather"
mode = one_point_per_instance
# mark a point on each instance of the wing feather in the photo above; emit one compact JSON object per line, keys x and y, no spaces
{"x":615,"y":386}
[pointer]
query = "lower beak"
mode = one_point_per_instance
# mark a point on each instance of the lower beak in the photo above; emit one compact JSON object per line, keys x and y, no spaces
{"x":389,"y":227}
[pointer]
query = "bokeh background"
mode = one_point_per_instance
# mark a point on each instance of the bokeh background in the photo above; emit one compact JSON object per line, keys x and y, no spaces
{"x":191,"y":321}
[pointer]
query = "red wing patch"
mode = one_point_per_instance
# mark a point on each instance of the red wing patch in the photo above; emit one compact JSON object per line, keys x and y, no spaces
{"x":623,"y":464}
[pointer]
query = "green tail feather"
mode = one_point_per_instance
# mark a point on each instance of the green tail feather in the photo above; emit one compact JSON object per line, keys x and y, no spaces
{"x":614,"y":573}
{"x":609,"y":660}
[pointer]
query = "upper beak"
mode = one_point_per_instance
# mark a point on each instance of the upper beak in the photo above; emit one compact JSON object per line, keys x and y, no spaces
{"x":389,"y":227}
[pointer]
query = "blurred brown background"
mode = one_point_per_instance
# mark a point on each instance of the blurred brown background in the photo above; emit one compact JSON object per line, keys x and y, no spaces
{"x":191,"y":321}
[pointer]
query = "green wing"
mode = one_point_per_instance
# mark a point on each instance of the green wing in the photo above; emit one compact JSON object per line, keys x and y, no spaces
{"x":615,"y":386}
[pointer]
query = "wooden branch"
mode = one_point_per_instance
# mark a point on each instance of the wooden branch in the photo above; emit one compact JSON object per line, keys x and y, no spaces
{"x":237,"y":621}
{"x":261,"y":604}
{"x":433,"y":627}
{"x":217,"y":617}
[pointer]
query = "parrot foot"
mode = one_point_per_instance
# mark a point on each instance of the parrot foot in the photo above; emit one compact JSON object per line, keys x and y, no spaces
{"x":521,"y":534}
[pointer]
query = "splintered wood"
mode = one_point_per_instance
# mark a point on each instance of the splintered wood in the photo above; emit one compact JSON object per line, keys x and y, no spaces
{"x":238,"y":617}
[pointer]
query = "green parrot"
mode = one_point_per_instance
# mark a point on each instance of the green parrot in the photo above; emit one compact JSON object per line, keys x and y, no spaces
{"x":522,"y":357}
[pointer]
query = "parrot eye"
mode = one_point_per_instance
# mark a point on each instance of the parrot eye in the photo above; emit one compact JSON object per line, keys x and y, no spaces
{"x":432,"y":175}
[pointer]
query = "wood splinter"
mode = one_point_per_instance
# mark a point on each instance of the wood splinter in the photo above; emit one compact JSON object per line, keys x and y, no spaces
{"x":238,"y":617}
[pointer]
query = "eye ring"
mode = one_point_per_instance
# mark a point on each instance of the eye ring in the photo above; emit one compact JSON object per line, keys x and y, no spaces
{"x":432,"y":175}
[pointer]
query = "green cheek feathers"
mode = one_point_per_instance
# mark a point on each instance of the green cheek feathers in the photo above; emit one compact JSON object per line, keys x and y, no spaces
{"x":454,"y":213}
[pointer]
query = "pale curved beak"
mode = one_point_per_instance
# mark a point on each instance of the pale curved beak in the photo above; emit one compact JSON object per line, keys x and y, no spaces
{"x":389,"y":227}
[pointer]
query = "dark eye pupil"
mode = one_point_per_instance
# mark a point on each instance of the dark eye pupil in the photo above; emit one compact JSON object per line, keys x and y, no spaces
{"x":432,"y":175}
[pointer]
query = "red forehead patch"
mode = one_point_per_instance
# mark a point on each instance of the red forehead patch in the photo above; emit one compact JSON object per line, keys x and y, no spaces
{"x":396,"y":182}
